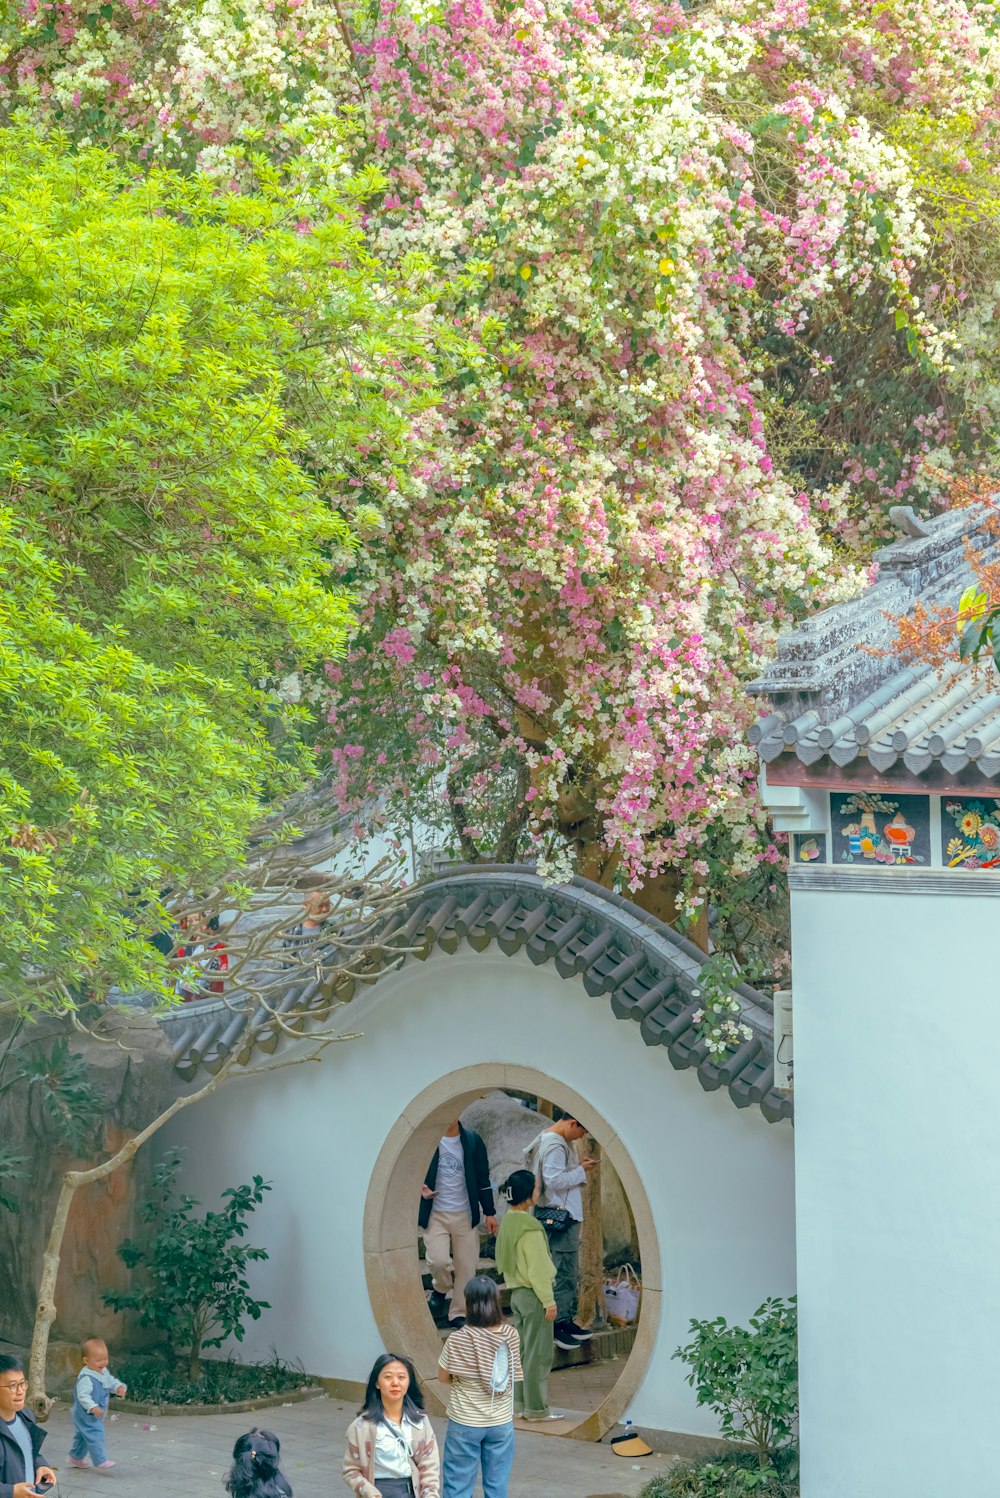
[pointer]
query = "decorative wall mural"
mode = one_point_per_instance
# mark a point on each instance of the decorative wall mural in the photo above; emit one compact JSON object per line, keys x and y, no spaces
{"x":809,"y":847}
{"x":970,"y":834}
{"x":875,"y":829}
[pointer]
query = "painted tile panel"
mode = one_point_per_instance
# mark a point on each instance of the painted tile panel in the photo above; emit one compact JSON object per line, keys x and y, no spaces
{"x":880,"y":831}
{"x":970,"y":832}
{"x":809,"y":847}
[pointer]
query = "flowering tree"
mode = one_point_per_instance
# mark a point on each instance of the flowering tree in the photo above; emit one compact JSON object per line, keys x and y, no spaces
{"x":683,"y":224}
{"x":732,"y":275}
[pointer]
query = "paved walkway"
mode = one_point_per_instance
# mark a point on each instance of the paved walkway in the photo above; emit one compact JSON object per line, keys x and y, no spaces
{"x":185,"y":1456}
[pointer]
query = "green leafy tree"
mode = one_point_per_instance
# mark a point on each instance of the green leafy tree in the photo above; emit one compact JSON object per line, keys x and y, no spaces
{"x":194,"y":1287}
{"x":70,"y":1105}
{"x":190,"y":382}
{"x":749,"y":1377}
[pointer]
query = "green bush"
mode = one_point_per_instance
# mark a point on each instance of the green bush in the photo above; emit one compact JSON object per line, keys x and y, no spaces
{"x":219,"y":1383}
{"x":749,"y":1377}
{"x":193,"y":1285}
{"x":733,"y":1475}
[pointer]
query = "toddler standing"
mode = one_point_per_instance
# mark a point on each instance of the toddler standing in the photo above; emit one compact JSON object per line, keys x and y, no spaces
{"x":95,"y":1384}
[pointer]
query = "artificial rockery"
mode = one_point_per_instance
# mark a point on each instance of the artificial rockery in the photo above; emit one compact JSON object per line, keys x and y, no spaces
{"x":731,"y":272}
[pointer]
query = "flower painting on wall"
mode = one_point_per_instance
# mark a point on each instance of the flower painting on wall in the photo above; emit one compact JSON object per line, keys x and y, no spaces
{"x":970,"y":834}
{"x":876,"y":829}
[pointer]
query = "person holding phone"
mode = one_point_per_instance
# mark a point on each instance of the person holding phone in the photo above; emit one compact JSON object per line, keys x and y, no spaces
{"x":561,"y":1178}
{"x":455,"y":1197}
{"x":22,"y":1473}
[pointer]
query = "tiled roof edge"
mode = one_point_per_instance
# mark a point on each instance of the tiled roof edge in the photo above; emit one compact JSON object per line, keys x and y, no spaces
{"x":645,"y":968}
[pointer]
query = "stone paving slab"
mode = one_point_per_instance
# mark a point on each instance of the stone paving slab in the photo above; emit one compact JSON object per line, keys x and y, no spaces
{"x":185,"y":1456}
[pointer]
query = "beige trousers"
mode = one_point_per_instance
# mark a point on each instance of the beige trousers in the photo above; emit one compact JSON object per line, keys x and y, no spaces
{"x":451,"y":1247}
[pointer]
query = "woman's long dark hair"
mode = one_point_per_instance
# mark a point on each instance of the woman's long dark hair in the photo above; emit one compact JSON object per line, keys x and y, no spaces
{"x":413,"y":1399}
{"x":255,"y":1472}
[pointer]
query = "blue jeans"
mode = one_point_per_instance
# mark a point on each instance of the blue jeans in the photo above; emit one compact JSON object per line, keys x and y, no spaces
{"x":466,"y":1447}
{"x":89,"y":1438}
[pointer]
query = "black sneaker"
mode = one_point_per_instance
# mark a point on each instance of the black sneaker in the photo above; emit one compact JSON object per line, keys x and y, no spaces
{"x":437,"y":1303}
{"x":563,"y":1337}
{"x":579,"y":1332}
{"x":459,"y":1321}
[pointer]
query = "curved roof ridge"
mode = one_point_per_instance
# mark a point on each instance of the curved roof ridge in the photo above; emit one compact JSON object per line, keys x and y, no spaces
{"x":648,"y":971}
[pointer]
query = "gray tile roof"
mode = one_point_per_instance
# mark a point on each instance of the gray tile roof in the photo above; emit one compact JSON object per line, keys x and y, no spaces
{"x":838,"y":704}
{"x":645,"y":970}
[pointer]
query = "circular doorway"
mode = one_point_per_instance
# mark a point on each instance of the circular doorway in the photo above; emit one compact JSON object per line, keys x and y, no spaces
{"x":390,"y":1245}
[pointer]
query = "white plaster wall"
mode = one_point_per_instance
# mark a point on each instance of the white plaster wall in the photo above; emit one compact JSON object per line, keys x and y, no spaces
{"x":719,"y":1179}
{"x":898,"y":1187}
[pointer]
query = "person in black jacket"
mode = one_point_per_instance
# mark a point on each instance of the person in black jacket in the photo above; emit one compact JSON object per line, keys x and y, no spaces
{"x":455,"y":1195}
{"x":21,"y":1471}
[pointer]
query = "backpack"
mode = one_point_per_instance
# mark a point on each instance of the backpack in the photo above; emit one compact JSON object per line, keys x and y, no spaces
{"x":500,"y":1373}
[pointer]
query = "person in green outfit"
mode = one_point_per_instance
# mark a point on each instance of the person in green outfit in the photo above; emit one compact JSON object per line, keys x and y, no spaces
{"x":523,"y":1258}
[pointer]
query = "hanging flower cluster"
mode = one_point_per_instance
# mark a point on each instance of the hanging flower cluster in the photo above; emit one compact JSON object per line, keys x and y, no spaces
{"x":664,"y":232}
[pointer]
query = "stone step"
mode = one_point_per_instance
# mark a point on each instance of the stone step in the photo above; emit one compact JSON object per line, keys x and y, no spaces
{"x":483,"y":1266}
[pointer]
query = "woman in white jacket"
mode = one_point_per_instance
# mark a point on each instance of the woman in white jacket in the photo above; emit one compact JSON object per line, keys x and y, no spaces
{"x":392,"y":1451}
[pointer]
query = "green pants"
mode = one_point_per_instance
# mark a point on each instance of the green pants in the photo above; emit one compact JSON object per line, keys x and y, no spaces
{"x":531,"y":1395}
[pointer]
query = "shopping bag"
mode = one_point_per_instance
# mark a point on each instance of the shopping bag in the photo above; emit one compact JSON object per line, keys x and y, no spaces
{"x":622,"y":1296}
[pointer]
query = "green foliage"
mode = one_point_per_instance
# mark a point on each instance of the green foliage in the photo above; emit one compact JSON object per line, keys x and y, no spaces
{"x":979,"y":626}
{"x":70,"y":1105}
{"x":192,"y":380}
{"x":221,"y":1382}
{"x":58,"y":1077}
{"x":116,"y":782}
{"x":749,"y":1378}
{"x":193,"y":1286}
{"x":729,"y":1476}
{"x":12,"y":1169}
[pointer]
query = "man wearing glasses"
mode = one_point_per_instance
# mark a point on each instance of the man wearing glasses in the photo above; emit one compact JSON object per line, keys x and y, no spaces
{"x":21,"y":1476}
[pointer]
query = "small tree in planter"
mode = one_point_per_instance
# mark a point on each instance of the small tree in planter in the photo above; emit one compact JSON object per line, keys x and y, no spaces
{"x":749,"y":1377}
{"x":194,"y":1286}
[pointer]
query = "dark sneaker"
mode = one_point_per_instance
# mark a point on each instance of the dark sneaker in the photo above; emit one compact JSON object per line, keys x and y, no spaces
{"x":563,"y":1337}
{"x":437,"y":1303}
{"x":580,"y":1333}
{"x":454,"y":1325}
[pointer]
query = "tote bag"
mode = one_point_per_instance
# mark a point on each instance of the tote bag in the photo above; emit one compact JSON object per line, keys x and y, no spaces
{"x":622,"y":1296}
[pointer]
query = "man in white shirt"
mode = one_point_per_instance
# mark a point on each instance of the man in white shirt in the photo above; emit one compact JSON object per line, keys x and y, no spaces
{"x":561,"y":1178}
{"x":455,"y":1197}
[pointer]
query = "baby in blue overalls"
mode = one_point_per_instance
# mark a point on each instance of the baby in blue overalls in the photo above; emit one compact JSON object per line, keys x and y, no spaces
{"x":95,"y":1384}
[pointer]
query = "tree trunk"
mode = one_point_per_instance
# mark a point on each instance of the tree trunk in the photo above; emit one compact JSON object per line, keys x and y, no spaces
{"x":661,"y":897}
{"x":45,"y":1314}
{"x":194,"y":1361}
{"x":591,"y":1242}
{"x":575,"y":815}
